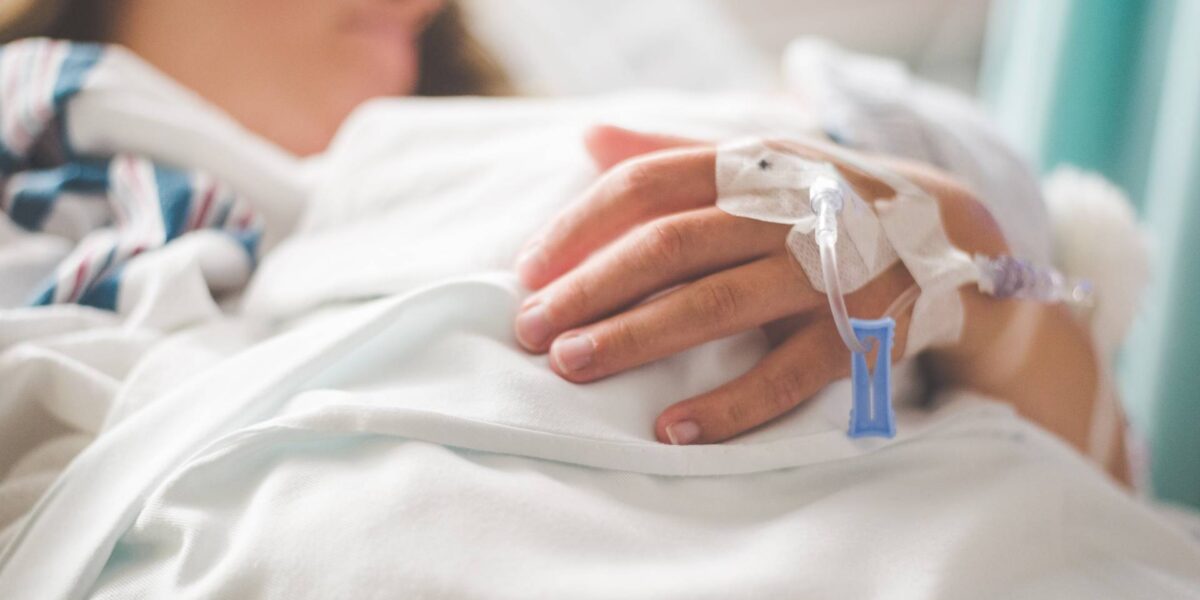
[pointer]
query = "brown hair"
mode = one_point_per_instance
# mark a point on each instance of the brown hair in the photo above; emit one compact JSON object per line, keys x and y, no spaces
{"x":453,"y":63}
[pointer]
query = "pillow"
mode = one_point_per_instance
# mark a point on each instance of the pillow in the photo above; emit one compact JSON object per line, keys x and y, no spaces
{"x":587,"y":46}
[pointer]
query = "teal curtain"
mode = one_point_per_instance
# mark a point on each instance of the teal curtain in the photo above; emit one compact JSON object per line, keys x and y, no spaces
{"x":1114,"y":86}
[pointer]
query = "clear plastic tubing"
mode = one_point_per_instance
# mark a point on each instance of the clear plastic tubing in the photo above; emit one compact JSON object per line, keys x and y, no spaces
{"x":1010,"y":277}
{"x":826,"y":199}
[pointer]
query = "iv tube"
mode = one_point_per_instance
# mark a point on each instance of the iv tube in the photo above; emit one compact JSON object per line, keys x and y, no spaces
{"x":826,"y":198}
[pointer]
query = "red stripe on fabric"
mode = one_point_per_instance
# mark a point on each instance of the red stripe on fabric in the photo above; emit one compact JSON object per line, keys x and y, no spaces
{"x":12,"y":96}
{"x":134,"y":180}
{"x":78,"y":286}
{"x":205,"y":204}
{"x":12,"y":83}
{"x":119,"y":201}
{"x":46,"y":109}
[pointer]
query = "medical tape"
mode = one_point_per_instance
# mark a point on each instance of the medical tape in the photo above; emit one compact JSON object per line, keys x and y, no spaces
{"x":770,"y":181}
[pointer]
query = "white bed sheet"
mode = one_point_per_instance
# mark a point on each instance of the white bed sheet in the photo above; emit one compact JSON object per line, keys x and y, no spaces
{"x":330,"y":442}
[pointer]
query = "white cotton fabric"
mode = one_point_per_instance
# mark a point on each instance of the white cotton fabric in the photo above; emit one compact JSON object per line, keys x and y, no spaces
{"x":65,"y":370}
{"x":368,"y":427}
{"x":412,"y":442}
{"x":1098,"y":238}
{"x":126,"y":106}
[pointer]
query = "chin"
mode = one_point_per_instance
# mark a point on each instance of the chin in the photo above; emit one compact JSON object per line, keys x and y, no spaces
{"x":386,"y":83}
{"x":385,"y":66}
{"x":359,"y":85}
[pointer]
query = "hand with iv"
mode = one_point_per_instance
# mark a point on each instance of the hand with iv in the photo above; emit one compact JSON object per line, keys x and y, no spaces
{"x":646,"y":265}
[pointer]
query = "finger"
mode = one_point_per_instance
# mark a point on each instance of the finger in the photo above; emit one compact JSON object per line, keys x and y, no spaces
{"x":811,"y":356}
{"x":786,"y":377}
{"x":649,"y":259}
{"x":711,"y":308}
{"x":610,"y":145}
{"x":661,"y":183}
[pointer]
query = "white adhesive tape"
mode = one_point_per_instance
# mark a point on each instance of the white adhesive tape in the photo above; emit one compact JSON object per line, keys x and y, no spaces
{"x":769,"y":181}
{"x":760,"y":180}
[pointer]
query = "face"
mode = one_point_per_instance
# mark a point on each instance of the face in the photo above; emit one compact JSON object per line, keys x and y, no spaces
{"x":289,"y":69}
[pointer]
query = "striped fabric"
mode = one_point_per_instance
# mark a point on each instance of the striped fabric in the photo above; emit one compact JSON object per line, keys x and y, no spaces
{"x":114,"y":207}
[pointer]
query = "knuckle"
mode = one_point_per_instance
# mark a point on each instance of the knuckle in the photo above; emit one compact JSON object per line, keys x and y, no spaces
{"x":720,"y":301}
{"x":619,"y":338}
{"x":636,"y":178}
{"x":966,"y":218}
{"x":785,"y":391}
{"x":958,"y":194}
{"x":739,"y":415}
{"x":958,"y":202}
{"x":664,"y":242}
{"x":571,"y":299}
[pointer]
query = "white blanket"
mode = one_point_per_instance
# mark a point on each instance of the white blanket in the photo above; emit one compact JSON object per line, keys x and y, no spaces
{"x":331,"y":443}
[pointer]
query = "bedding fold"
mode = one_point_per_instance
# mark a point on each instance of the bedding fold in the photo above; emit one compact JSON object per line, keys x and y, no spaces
{"x":363,"y":423}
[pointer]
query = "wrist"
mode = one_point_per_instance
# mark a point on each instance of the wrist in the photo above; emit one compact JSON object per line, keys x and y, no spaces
{"x":994,"y":343}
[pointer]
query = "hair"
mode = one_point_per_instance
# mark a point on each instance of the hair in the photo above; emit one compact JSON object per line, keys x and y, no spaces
{"x":453,"y":62}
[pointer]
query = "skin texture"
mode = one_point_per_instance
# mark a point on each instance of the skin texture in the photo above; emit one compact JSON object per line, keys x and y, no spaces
{"x":645,"y":266}
{"x":290,"y":70}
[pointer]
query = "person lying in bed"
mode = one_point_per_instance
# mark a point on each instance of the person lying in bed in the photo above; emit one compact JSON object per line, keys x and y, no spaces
{"x":293,"y":71}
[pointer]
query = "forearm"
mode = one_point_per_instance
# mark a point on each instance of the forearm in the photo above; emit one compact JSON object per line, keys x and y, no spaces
{"x":1037,"y":357}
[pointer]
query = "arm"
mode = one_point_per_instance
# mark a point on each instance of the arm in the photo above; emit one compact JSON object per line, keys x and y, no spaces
{"x":649,"y":225}
{"x":1037,"y":357}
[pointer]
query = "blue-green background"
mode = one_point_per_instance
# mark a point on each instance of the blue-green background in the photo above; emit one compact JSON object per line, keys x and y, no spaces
{"x":1114,"y":86}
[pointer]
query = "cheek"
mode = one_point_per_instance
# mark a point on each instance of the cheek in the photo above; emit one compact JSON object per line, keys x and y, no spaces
{"x":373,"y":66}
{"x":372,"y":51}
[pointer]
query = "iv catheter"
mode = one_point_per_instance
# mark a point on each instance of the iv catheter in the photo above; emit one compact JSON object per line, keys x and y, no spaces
{"x":826,"y":199}
{"x":872,"y":414}
{"x":767,"y":181}
{"x":1000,"y":277}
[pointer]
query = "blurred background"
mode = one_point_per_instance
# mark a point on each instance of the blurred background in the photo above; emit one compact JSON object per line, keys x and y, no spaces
{"x":1107,"y":85}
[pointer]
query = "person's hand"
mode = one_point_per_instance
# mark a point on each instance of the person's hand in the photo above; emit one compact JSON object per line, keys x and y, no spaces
{"x":645,"y":265}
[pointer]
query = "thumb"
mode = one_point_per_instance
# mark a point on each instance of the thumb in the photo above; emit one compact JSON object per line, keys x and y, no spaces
{"x":610,"y":145}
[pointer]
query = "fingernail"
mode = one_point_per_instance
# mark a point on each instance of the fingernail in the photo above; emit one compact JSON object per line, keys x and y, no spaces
{"x":532,"y":328}
{"x":530,"y":263}
{"x":683,"y":432}
{"x":573,"y":352}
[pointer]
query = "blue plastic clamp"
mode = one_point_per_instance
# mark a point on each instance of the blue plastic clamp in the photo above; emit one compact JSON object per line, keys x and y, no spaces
{"x":872,"y":414}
